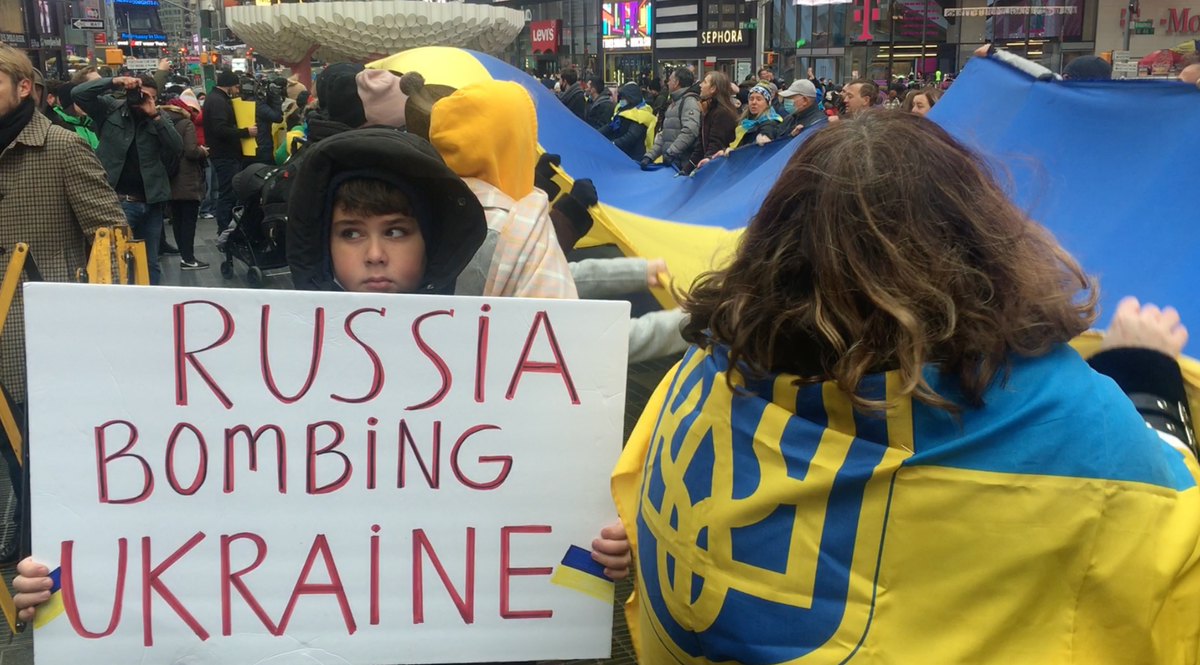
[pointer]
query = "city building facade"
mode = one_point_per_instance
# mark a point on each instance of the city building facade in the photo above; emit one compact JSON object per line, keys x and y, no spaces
{"x":871,"y":39}
{"x":1158,"y":25}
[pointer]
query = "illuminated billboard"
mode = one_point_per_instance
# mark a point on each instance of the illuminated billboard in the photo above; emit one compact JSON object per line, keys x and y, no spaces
{"x":626,"y":25}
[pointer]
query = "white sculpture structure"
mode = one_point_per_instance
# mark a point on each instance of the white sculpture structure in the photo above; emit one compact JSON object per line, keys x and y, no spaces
{"x":291,"y":34}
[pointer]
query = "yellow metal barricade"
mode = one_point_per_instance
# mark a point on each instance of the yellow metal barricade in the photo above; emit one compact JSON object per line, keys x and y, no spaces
{"x":116,"y":258}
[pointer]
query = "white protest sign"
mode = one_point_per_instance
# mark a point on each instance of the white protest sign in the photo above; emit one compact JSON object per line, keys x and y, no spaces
{"x":236,"y":476}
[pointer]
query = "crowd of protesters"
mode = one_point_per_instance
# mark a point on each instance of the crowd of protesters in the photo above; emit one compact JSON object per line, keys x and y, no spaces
{"x":689,"y":121}
{"x":394,"y":192}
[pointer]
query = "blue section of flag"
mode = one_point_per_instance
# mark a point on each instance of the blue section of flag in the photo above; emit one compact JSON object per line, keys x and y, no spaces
{"x":581,"y":560}
{"x":1125,"y":223}
{"x":55,"y":575}
{"x":1026,"y":427}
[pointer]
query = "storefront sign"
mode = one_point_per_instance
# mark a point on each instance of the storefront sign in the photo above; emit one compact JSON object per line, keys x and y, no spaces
{"x":141,"y":42}
{"x":866,"y":12}
{"x":544,"y":35}
{"x":624,"y":43}
{"x":13,"y":38}
{"x":51,"y":42}
{"x":626,"y":25}
{"x":723,"y":37}
{"x":140,"y":36}
{"x":1179,"y":21}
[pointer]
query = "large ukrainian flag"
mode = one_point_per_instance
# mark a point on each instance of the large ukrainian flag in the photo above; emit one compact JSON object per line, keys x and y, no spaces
{"x":1109,"y":167}
{"x":774,"y":524}
{"x":1118,"y":199}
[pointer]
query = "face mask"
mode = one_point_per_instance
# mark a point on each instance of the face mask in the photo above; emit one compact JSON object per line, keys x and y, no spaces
{"x":622,"y":104}
{"x":789,"y":106}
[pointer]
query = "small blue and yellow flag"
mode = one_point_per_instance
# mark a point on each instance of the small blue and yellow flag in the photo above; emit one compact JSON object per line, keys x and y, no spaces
{"x":49,"y":610}
{"x":579,"y":572}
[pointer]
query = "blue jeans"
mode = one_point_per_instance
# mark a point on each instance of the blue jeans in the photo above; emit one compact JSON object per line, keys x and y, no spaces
{"x":223,"y":172}
{"x":146,"y":220}
{"x":209,"y":205}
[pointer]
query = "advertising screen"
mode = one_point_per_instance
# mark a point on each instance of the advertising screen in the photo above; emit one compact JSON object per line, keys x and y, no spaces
{"x":626,"y":25}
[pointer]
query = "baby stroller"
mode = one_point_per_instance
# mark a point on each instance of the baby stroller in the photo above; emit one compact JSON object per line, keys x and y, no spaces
{"x":257,"y":235}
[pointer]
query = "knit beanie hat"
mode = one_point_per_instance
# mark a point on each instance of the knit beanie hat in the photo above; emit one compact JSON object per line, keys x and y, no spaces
{"x":188,"y":97}
{"x":339,"y":95}
{"x":383,"y":102}
{"x":763,"y":90}
{"x":331,"y":72}
{"x":421,"y":97}
{"x":64,"y":95}
{"x":228,"y":80}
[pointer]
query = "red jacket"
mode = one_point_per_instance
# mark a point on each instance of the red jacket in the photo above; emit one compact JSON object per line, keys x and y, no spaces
{"x":199,"y":121}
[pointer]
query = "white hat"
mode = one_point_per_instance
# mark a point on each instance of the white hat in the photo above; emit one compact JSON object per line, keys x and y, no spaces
{"x":800,"y":87}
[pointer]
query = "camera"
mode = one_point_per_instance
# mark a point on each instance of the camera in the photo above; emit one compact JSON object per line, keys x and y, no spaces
{"x":249,"y":89}
{"x":264,"y":91}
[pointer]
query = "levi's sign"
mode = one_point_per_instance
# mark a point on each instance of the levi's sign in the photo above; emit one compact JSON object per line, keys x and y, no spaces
{"x":544,"y":35}
{"x":308,"y":477}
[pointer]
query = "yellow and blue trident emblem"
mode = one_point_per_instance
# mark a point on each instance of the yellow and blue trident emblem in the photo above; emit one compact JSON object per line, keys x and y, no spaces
{"x":761,"y":517}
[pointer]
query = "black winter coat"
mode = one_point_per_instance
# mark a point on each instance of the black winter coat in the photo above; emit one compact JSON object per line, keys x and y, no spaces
{"x":806,"y":118}
{"x":572,"y":98}
{"x":767,"y":128}
{"x":600,"y":112}
{"x":266,"y":114}
{"x":629,"y":136}
{"x":221,"y":132}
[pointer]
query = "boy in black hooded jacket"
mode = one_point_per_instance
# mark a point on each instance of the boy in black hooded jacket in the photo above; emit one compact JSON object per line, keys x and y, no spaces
{"x":380,"y":184}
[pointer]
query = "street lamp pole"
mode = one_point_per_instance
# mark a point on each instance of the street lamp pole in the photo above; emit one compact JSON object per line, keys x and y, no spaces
{"x":892,"y":44}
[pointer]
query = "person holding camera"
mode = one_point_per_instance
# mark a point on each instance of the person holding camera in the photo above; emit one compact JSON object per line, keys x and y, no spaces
{"x":135,"y":146}
{"x":268,"y":110}
{"x":224,"y":139}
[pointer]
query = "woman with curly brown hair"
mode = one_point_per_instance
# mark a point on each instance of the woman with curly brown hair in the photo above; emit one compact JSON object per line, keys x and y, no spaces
{"x":881,"y":449}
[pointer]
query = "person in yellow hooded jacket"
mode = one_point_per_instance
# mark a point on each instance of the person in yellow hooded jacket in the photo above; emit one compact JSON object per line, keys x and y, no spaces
{"x":487,"y":134}
{"x":880,"y":448}
{"x":632,"y":128}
